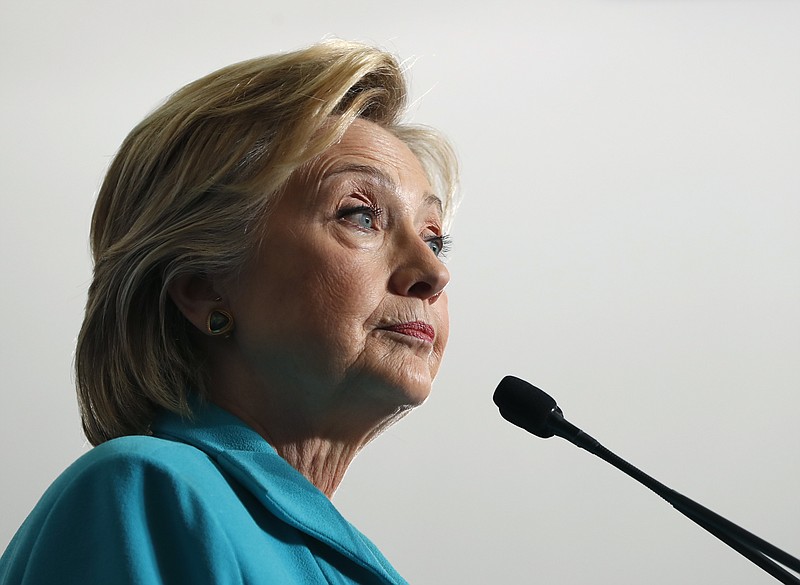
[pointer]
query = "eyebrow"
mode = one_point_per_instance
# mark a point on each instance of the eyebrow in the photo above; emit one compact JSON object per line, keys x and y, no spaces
{"x":384,"y":179}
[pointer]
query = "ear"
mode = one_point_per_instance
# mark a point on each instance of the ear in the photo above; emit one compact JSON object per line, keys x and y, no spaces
{"x":195,"y":297}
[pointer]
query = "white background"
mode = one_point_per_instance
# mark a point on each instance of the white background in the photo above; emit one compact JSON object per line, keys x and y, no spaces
{"x":629,"y":241}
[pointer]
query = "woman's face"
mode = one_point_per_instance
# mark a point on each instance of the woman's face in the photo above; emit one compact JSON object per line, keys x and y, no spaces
{"x":344,"y":303}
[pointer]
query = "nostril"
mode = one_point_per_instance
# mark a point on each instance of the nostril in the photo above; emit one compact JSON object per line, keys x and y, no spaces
{"x":421,"y":290}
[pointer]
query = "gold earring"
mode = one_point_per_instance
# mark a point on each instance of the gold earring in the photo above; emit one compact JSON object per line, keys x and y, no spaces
{"x":219,"y":322}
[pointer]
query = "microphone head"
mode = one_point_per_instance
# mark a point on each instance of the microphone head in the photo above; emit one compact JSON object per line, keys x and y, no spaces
{"x":525,"y":405}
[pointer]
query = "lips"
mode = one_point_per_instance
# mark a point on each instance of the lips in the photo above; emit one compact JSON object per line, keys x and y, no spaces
{"x":418,"y":329}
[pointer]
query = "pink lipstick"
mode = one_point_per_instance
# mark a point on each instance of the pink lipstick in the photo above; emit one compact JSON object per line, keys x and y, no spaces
{"x":418,"y":329}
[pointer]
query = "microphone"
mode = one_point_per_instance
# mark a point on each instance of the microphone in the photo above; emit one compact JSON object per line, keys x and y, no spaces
{"x":532,"y":409}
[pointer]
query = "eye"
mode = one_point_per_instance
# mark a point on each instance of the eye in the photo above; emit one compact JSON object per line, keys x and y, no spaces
{"x":362,"y":216}
{"x":440,"y":245}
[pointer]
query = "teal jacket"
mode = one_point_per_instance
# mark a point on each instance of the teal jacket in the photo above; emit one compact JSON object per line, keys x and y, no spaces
{"x":200,"y":502}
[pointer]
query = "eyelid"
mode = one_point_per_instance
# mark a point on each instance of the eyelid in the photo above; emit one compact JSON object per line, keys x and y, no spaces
{"x":371,"y":208}
{"x":356,"y":194}
{"x":364,"y":206}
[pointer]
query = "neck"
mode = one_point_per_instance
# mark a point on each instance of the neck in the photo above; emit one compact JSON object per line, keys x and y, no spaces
{"x":324,"y":463}
{"x":321,"y":453}
{"x":317,"y":431}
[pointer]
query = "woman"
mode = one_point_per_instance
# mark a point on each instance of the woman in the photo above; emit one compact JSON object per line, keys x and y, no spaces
{"x":268,"y":296}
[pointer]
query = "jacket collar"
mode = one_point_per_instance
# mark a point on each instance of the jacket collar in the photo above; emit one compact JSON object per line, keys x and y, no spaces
{"x":284,"y":491}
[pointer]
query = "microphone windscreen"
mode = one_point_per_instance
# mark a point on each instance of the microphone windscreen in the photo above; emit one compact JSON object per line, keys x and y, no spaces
{"x":525,"y":405}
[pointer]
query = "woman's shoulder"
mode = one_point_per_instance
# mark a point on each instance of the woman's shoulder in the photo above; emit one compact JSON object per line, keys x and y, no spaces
{"x":131,"y":462}
{"x":105,"y":516}
{"x":132,"y":475}
{"x":131,"y":479}
{"x":140,"y":452}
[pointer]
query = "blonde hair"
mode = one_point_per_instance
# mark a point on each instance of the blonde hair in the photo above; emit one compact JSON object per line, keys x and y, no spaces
{"x":185,"y":195}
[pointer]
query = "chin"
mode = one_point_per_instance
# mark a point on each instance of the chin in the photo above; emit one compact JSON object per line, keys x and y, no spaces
{"x":397,"y":380}
{"x":401,"y":389}
{"x":412,"y":390}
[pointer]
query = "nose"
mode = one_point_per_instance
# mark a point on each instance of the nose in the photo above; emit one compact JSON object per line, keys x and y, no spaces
{"x":418,"y":272}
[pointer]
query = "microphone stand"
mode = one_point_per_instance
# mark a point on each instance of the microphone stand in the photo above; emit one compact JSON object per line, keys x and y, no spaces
{"x":759,"y":551}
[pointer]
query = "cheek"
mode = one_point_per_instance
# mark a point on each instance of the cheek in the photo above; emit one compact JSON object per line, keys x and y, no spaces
{"x":440,"y":308}
{"x":350,"y":288}
{"x":443,"y":310}
{"x":337,"y":304}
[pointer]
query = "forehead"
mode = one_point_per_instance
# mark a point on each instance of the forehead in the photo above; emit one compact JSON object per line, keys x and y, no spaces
{"x":369,"y":141}
{"x":369,"y":152}
{"x":368,"y":159}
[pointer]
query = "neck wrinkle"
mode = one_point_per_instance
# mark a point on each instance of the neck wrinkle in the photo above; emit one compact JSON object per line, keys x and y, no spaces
{"x":322,"y":460}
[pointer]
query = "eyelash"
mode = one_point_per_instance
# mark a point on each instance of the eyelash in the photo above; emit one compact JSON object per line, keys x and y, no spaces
{"x":444,"y":241}
{"x":372,"y":209}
